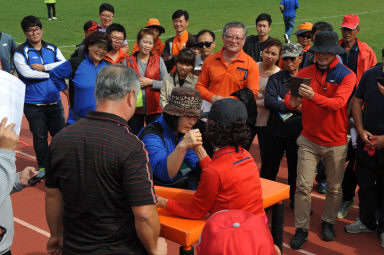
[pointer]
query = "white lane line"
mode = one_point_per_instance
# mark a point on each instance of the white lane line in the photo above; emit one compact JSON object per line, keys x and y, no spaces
{"x":26,"y":154}
{"x":34,"y":228}
{"x":300,"y":251}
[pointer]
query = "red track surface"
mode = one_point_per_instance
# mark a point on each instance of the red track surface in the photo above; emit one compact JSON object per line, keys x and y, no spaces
{"x":31,"y":230}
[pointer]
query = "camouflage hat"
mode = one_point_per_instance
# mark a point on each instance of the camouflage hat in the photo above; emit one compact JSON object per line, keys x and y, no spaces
{"x":291,"y":50}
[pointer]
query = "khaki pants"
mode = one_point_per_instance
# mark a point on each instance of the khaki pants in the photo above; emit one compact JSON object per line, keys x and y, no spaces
{"x":309,"y":154}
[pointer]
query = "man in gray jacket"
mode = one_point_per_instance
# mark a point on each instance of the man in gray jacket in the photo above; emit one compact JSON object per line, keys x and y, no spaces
{"x":10,"y":182}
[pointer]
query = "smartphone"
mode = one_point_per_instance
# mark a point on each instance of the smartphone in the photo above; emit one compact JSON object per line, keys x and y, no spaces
{"x":37,"y":178}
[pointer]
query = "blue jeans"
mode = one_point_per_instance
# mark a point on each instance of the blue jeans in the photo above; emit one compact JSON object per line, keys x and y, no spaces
{"x":289,"y":25}
{"x":43,"y":119}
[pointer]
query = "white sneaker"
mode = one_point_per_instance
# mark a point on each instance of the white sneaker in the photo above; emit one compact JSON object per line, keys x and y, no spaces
{"x":49,"y":19}
{"x":357,"y":227}
{"x":54,"y":18}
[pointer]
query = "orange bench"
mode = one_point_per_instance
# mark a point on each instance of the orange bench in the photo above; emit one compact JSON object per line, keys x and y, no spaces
{"x":186,"y":232}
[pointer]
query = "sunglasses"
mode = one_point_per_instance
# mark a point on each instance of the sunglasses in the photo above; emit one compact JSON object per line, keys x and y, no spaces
{"x":206,"y":44}
{"x":289,"y":58}
{"x":306,"y":36}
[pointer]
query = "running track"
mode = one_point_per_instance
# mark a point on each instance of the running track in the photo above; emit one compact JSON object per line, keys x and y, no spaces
{"x":31,"y":230}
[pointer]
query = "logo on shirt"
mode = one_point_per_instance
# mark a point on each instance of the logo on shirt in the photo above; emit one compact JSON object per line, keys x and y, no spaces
{"x":5,"y":44}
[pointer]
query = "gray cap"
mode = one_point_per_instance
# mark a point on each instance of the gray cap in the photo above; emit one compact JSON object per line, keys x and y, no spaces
{"x":291,"y":50}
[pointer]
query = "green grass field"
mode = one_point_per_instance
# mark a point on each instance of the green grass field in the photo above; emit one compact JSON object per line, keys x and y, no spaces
{"x":67,"y":30}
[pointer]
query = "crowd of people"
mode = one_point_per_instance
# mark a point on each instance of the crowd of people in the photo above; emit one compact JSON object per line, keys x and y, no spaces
{"x":177,"y":114}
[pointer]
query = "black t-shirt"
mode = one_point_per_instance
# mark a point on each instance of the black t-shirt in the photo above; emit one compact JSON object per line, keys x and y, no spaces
{"x":373,"y":112}
{"x":254,"y":48}
{"x":102,"y":170}
{"x":350,"y":59}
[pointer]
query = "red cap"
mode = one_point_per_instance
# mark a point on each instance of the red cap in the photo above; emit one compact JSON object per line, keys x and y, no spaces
{"x":90,"y":25}
{"x":350,"y":21}
{"x":234,"y":232}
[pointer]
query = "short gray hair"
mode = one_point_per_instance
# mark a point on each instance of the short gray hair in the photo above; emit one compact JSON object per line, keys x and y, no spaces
{"x":113,"y":82}
{"x":234,"y":24}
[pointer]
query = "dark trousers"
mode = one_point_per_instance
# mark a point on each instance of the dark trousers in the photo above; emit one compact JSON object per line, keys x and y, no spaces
{"x":274,"y":148}
{"x":370,"y":172}
{"x":349,"y":181}
{"x":136,"y":123}
{"x":252,"y":130}
{"x":49,"y":7}
{"x":260,"y":131}
{"x":43,"y":119}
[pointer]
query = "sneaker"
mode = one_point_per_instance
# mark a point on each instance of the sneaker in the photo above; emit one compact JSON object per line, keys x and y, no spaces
{"x":322,"y":188}
{"x":357,"y":227}
{"x":286,"y":38}
{"x":299,"y":238}
{"x":382,"y":239}
{"x":49,"y":19}
{"x":54,"y":18}
{"x":345,"y":205}
{"x":327,"y":232}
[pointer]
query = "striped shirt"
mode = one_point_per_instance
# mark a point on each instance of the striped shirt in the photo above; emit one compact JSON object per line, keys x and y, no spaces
{"x":101,"y":169}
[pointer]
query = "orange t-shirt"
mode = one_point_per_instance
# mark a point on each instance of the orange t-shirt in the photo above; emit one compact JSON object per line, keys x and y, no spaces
{"x":120,"y":58}
{"x":216,"y":78}
{"x":157,"y":48}
{"x":179,"y":43}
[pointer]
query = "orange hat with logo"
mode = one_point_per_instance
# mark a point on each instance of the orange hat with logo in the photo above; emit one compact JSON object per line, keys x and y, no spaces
{"x":304,"y":27}
{"x":350,"y":21}
{"x":155,"y":23}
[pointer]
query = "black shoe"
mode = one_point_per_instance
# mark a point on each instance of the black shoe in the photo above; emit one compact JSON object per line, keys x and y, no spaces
{"x":299,"y":238}
{"x":327,"y":232}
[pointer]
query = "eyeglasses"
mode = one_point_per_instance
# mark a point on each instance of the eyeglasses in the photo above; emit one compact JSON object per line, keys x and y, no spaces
{"x":234,"y":38}
{"x":206,"y":44}
{"x":308,"y":36}
{"x":118,"y":39}
{"x":106,"y":16}
{"x":34,"y":31}
{"x":289,"y":58}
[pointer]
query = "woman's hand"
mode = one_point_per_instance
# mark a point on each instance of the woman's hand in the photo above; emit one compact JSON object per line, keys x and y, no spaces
{"x":161,"y":202}
{"x":144,"y":81}
{"x":192,"y":139}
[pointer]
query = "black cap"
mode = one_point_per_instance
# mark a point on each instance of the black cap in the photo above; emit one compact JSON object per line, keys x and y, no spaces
{"x":90,"y":25}
{"x":226,"y":111}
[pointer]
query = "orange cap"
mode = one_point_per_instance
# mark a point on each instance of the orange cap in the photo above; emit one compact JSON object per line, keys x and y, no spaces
{"x":304,"y":27}
{"x":154,"y":23}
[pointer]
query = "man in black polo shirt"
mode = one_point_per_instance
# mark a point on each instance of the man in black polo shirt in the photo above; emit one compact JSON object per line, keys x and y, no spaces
{"x":370,"y":150}
{"x":99,"y":191}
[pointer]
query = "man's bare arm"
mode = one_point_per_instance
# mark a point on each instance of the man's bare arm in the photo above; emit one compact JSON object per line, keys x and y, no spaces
{"x":147,"y":224}
{"x":54,"y":215}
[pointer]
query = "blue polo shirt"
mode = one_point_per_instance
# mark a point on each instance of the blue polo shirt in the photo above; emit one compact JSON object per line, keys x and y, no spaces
{"x":290,"y":7}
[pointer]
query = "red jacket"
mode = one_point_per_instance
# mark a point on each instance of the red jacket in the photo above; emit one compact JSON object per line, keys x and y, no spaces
{"x":230,"y":180}
{"x":324,"y":118}
{"x":366,"y":59}
{"x":152,"y":97}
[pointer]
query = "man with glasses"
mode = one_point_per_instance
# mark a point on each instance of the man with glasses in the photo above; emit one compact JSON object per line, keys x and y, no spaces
{"x":34,"y":59}
{"x":206,"y":43}
{"x":106,"y":15}
{"x":117,"y":34}
{"x":230,"y":69}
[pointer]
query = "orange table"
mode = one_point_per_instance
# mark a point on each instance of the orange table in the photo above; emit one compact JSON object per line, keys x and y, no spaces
{"x":186,"y":232}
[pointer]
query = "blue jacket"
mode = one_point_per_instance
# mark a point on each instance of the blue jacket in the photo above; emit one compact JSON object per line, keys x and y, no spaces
{"x":159,"y":151}
{"x":39,"y":88}
{"x":82,"y":84}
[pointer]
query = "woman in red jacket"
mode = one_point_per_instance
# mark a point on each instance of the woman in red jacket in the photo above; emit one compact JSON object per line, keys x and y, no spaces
{"x":152,"y":71}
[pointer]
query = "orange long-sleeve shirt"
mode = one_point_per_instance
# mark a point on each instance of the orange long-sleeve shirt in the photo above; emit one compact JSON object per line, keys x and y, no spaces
{"x":217,"y":78}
